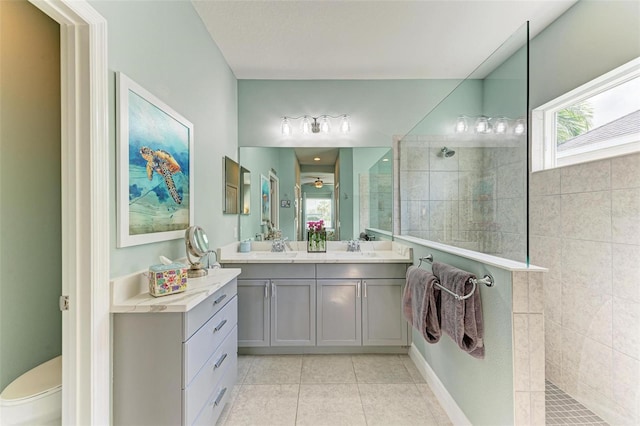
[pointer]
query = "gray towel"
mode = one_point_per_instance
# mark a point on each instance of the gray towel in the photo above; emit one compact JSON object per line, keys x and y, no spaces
{"x":420,"y":303}
{"x":461,"y":319}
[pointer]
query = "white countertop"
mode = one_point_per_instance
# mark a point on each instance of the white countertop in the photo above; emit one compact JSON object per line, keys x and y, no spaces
{"x":371,"y":252}
{"x":130,"y":294}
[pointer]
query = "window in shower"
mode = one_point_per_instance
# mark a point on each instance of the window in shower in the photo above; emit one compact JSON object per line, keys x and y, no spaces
{"x":599,"y":119}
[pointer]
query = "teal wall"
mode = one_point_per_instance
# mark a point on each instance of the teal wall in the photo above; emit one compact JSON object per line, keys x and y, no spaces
{"x":259,"y":162}
{"x":590,"y":39}
{"x":482,"y":388}
{"x":379,"y":109}
{"x":30,"y":207}
{"x":164,"y":47}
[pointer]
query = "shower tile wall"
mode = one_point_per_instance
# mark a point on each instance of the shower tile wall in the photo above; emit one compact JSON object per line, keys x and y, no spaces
{"x":585,"y":227}
{"x":474,"y":199}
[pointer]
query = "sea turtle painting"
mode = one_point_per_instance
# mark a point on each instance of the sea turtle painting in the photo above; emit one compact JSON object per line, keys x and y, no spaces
{"x":165,"y":165}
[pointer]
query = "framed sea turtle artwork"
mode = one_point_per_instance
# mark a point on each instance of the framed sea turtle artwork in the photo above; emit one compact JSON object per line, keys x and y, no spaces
{"x":155,"y":167}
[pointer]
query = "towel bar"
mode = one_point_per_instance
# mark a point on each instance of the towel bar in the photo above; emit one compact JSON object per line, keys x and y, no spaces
{"x":486,"y":280}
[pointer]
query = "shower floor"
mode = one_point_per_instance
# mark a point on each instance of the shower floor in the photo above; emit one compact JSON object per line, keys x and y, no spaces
{"x":564,"y":410}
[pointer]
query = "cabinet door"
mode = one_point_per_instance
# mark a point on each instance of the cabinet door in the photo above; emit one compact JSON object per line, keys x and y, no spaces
{"x":293,"y":312}
{"x":253,"y":313}
{"x":382,"y":320}
{"x":339,"y":313}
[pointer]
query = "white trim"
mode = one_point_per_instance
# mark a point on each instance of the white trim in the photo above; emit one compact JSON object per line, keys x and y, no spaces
{"x":86,"y":395}
{"x":487,"y":259}
{"x":544,"y":153}
{"x":449,"y":405}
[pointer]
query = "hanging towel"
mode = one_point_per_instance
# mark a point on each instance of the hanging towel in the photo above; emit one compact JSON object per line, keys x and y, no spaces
{"x":461,"y":319}
{"x":420,"y":303}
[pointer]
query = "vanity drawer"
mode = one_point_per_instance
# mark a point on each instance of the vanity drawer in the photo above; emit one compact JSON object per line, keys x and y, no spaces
{"x":199,"y":390}
{"x":207,"y":339}
{"x":215,"y":404}
{"x":199,"y":315}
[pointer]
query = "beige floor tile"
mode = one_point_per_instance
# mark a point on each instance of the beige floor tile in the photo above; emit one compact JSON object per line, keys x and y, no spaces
{"x":330,"y":404}
{"x":394,"y":404}
{"x":264,"y":405}
{"x":380,"y":369}
{"x":327,"y":369}
{"x":244,"y":363}
{"x":434,"y":405}
{"x":227,"y":407}
{"x":412,"y":369}
{"x":274,"y":369}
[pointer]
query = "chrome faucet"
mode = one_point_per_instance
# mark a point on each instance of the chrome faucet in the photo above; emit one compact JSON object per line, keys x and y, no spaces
{"x":353,"y":245}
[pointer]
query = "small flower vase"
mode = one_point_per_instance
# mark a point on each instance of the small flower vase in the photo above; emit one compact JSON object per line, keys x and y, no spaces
{"x":317,"y":241}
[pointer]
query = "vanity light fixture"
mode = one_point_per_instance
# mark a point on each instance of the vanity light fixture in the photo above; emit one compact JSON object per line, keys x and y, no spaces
{"x":319,"y":124}
{"x":318,"y":183}
{"x":485,"y":125}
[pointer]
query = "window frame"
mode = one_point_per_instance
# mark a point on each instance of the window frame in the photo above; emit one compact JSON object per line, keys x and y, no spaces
{"x":544,"y":155}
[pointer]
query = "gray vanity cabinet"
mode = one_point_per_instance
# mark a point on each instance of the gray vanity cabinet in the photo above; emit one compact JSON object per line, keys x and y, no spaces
{"x":293,"y":312}
{"x":382,"y":321}
{"x":361,"y":304}
{"x":175,"y":368}
{"x":254,"y":305}
{"x":339,"y":312}
{"x":277,"y":305}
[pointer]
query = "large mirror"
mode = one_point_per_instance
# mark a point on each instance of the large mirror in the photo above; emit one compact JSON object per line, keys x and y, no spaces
{"x":231,"y":186}
{"x":350,"y":189}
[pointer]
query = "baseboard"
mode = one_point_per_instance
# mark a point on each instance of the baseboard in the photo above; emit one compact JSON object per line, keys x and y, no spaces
{"x":449,"y":405}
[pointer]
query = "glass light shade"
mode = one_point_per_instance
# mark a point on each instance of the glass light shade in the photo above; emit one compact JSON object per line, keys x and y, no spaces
{"x":519,"y":127}
{"x":325,"y":126}
{"x":285,"y":127}
{"x":500,"y":127}
{"x":345,"y":125}
{"x":482,"y":125}
{"x":318,"y":183}
{"x":306,"y":125}
{"x":461,"y":125}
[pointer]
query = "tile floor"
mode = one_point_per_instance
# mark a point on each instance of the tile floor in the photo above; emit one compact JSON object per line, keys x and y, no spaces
{"x":331,"y":390}
{"x":562,"y":409}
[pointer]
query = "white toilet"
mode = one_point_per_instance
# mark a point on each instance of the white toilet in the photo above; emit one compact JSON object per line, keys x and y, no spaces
{"x":35,"y":398}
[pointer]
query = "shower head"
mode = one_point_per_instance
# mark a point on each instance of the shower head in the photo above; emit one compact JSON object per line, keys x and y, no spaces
{"x":446,"y":152}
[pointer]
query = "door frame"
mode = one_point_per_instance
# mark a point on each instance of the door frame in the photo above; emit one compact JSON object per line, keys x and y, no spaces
{"x":86,"y":360}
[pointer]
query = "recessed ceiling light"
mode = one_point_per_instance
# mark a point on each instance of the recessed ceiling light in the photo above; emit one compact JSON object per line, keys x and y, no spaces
{"x":385,"y":159}
{"x":316,"y":158}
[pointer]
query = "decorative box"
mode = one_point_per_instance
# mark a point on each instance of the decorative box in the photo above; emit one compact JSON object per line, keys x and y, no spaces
{"x":167,"y":279}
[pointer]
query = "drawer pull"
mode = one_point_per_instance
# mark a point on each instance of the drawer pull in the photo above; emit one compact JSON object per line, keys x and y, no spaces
{"x":220,"y":396}
{"x":219,"y":299}
{"x":220,"y":361}
{"x":266,"y":290}
{"x":219,"y":326}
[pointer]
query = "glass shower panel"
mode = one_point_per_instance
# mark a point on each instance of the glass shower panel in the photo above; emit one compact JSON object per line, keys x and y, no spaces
{"x":463,"y":167}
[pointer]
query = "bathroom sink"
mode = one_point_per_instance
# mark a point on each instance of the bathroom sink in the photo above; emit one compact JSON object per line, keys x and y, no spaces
{"x":274,"y":254}
{"x":356,"y":254}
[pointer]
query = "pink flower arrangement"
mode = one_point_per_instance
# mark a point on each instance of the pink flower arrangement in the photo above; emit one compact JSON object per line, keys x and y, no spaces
{"x":316,"y":226}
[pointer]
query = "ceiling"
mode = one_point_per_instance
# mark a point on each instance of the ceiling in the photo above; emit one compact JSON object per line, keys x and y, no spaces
{"x":427,"y":39}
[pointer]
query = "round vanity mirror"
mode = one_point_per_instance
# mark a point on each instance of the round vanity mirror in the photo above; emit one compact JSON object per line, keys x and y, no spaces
{"x":198,"y":246}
